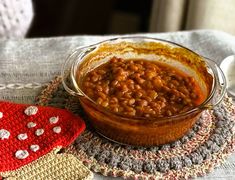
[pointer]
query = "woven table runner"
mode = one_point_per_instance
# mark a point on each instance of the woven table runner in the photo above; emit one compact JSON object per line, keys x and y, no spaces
{"x":203,"y":148}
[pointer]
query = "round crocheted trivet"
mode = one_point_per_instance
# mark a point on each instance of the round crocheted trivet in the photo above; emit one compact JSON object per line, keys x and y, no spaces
{"x":203,"y":148}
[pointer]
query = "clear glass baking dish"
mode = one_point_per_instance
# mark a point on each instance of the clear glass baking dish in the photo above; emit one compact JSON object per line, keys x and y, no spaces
{"x":141,"y":131}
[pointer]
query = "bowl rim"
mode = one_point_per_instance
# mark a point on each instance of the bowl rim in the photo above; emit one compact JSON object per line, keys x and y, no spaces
{"x":198,"y":108}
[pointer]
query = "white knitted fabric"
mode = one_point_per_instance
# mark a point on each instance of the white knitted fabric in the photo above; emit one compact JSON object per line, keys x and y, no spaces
{"x":15,"y":18}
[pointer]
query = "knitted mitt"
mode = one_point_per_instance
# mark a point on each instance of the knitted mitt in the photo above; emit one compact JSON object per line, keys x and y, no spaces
{"x":29,"y":132}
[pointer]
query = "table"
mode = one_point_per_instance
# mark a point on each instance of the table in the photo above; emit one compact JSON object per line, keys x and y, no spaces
{"x":28,"y":64}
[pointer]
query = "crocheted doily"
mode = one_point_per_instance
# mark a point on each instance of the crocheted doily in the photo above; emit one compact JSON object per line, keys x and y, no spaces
{"x":203,"y":148}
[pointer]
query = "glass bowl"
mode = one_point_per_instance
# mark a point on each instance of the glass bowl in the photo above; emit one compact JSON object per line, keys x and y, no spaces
{"x":143,"y":131}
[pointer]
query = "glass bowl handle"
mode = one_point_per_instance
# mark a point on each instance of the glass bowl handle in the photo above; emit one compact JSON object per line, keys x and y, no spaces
{"x":68,"y":79}
{"x":220,"y":85}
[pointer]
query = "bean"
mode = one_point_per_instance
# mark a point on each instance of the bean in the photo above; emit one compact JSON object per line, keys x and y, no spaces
{"x":133,"y":67}
{"x":87,"y":84}
{"x":131,"y":62}
{"x":132,"y":113}
{"x":148,"y":110}
{"x":127,"y":95}
{"x":120,"y":109}
{"x":114,"y":83}
{"x":90,"y":92}
{"x":122,"y":72}
{"x":183,"y":90}
{"x":162,"y":99}
{"x":171,"y":85}
{"x":120,"y":78}
{"x":124,"y":88}
{"x":106,"y":89}
{"x":157,"y":109}
{"x":101,"y":71}
{"x":137,"y":86}
{"x":99,"y":88}
{"x":193,"y":95}
{"x":166,"y":89}
{"x":146,"y":115}
{"x":105,"y":103}
{"x":141,"y":88}
{"x":173,"y":97}
{"x":136,"y":75}
{"x":124,"y":103}
{"x":106,"y":83}
{"x":131,"y":86}
{"x":129,"y":109}
{"x":174,"y":82}
{"x":113,"y":100}
{"x":140,"y":80}
{"x":114,"y":109}
{"x":131,"y":101}
{"x":99,"y":100}
{"x":162,"y":104}
{"x":152,"y":94}
{"x":130,"y":81}
{"x":148,"y":85}
{"x":102,"y":95}
{"x":114,"y":60}
{"x":118,"y":94}
{"x":186,"y":101}
{"x":169,"y":113}
{"x":140,"y":62}
{"x":157,"y":82}
{"x":147,"y":98}
{"x":150,"y":66}
{"x":138,"y":94}
{"x":150,"y":74}
{"x":142,"y":102}
{"x":94,"y":78}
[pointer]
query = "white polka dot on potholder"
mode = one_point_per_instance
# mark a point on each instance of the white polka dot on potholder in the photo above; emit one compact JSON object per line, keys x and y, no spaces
{"x":54,"y":120}
{"x":39,"y":132}
{"x":31,"y":110}
{"x":57,"y":129}
{"x":21,"y":154}
{"x":22,"y":137}
{"x":31,"y":124}
{"x":34,"y":147}
{"x":4,"y":134}
{"x":1,"y":115}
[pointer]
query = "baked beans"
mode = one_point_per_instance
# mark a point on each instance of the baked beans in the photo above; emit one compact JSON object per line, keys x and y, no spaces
{"x":141,"y":88}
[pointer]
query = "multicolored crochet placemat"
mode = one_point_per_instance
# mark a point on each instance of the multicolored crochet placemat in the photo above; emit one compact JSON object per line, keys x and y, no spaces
{"x":203,"y":148}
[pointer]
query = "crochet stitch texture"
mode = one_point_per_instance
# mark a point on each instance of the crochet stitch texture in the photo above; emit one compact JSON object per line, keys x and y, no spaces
{"x":23,"y":143}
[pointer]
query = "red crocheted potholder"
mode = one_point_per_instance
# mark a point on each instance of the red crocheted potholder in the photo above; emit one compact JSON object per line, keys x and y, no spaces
{"x":29,"y":132}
